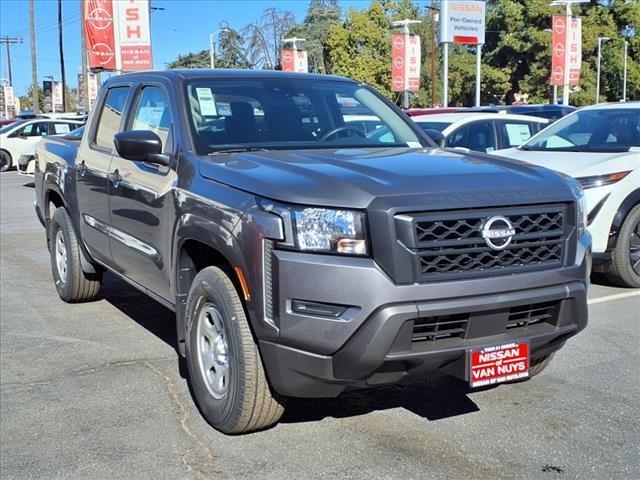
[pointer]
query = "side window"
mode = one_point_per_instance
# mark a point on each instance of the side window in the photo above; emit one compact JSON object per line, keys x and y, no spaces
{"x":515,"y":134}
{"x":60,"y":128}
{"x":478,"y":136}
{"x":110,"y":117}
{"x":36,"y":129}
{"x":152,"y":112}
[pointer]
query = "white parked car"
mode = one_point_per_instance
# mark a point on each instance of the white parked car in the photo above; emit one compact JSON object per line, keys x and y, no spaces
{"x":18,"y":140}
{"x":482,"y":132}
{"x":600,"y":147}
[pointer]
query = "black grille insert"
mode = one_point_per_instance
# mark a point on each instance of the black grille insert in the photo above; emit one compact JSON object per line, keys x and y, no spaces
{"x":451,"y":243}
{"x":524,"y":315}
{"x":440,"y":327}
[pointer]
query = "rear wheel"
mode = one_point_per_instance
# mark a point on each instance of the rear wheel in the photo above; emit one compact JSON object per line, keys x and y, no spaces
{"x":5,"y":161}
{"x":625,"y":258}
{"x":73,"y":284}
{"x":225,"y":369}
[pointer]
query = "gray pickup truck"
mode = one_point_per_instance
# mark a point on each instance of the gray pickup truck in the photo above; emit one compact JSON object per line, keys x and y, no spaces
{"x":302,"y":255}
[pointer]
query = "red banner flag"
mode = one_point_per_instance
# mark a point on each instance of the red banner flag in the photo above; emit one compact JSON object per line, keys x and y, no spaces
{"x":99,"y":31}
{"x":405,"y":63}
{"x":567,"y":40}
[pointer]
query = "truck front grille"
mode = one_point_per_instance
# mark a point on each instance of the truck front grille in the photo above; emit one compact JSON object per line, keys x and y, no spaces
{"x":451,"y":244}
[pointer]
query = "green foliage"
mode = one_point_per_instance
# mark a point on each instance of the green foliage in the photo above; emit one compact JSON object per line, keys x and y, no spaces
{"x":516,"y":58}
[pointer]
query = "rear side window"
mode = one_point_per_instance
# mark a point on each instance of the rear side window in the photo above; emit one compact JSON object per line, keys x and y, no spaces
{"x":478,"y":136}
{"x":61,"y":128}
{"x":152,"y":113}
{"x":515,"y":134}
{"x":36,"y":129}
{"x":111,"y":117}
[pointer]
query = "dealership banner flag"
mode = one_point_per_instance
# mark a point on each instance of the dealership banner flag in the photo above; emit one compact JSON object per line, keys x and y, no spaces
{"x":295,"y":61}
{"x":567,"y":41}
{"x":405,"y":63}
{"x":118,"y":34}
{"x":100,"y":35}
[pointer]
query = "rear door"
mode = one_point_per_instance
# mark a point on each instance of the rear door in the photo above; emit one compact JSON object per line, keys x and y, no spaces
{"x":141,"y":200}
{"x":92,"y":169}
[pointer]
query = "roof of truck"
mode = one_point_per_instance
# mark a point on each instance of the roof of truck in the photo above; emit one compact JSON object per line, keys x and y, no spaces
{"x":222,"y":72}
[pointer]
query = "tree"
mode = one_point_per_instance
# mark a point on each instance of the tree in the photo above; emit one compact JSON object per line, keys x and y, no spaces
{"x":191,"y":60}
{"x":26,"y":101}
{"x":264,"y":37}
{"x":230,"y":52}
{"x":322,"y":15}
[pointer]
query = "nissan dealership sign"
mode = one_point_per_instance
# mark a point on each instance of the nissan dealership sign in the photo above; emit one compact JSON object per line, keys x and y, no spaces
{"x":462,"y":22}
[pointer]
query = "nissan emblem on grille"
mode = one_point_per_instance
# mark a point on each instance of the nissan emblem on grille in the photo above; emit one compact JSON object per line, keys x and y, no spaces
{"x":497,"y":232}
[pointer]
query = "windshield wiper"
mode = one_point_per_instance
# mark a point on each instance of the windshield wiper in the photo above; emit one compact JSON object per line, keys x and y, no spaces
{"x":239,"y":150}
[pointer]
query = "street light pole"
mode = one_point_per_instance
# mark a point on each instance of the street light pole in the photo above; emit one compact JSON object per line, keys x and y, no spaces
{"x":600,"y":40}
{"x":624,"y":75}
{"x":212,"y":52}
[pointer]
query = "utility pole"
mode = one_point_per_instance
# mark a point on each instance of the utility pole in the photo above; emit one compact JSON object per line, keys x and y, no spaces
{"x":434,"y":12}
{"x":64,"y":78}
{"x":85,"y":75}
{"x":600,"y":40}
{"x":34,"y":69}
{"x":8,"y":41}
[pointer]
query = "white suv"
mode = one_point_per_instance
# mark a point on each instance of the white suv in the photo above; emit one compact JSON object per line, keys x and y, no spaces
{"x":600,"y":147}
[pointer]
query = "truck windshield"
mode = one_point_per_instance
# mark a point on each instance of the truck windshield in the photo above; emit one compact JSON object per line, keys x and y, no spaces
{"x":598,"y":130}
{"x":285,"y":113}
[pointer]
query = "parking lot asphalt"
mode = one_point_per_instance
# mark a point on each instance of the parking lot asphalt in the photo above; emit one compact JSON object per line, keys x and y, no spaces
{"x":95,"y":391}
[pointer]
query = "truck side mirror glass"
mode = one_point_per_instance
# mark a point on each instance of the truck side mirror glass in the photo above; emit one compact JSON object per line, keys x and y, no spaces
{"x":437,"y":136}
{"x":140,"y":146}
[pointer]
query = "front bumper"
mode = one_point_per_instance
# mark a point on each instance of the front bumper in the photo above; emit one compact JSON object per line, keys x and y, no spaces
{"x":373,"y":341}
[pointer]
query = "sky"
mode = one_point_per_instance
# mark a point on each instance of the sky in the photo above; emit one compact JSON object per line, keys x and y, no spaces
{"x":182,"y":27}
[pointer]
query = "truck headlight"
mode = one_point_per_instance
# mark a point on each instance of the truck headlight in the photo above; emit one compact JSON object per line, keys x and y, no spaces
{"x":581,"y":205}
{"x":329,"y":231}
{"x":321,"y":230}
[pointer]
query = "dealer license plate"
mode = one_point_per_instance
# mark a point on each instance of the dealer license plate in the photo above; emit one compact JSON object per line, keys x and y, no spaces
{"x":498,"y":363}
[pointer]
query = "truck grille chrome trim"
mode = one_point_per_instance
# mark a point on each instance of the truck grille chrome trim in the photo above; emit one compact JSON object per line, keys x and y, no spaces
{"x":453,"y":244}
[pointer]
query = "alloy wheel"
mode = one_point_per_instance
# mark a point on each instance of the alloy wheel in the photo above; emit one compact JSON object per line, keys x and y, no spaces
{"x":61,"y":256}
{"x":634,"y":249}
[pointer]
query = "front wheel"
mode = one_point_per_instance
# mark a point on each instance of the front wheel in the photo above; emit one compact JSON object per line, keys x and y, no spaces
{"x":5,"y":161}
{"x":225,"y":369}
{"x":72,"y":283}
{"x":624,"y":269}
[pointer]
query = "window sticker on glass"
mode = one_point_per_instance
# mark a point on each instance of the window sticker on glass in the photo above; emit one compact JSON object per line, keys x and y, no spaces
{"x":62,"y":128}
{"x":518,"y":133}
{"x":207,"y":102}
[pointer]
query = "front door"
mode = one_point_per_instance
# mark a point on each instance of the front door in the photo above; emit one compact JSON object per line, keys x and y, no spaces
{"x":92,"y":169}
{"x":141,"y":200}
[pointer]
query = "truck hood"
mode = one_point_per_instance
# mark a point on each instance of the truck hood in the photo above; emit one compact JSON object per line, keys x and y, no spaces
{"x":355,"y":177}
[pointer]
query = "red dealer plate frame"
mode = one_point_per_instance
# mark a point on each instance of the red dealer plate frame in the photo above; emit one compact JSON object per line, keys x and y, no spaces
{"x":498,"y":364}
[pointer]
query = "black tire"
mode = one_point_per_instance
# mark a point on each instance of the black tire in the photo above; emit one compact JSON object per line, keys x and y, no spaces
{"x":539,"y":365}
{"x":74,"y":285}
{"x":621,"y":269}
{"x":5,"y":161}
{"x":247,"y":403}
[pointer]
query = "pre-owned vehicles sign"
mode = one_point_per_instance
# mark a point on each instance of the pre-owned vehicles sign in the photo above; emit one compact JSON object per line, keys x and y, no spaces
{"x":462,"y":22}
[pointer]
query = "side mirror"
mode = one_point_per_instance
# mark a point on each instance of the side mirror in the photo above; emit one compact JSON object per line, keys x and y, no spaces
{"x":437,"y":136}
{"x":140,"y":146}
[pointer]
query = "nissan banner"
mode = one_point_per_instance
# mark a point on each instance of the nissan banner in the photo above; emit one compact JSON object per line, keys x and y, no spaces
{"x":405,"y":63}
{"x":567,"y":40}
{"x":295,"y":61}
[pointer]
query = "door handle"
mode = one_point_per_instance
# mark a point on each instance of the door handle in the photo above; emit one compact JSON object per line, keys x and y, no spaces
{"x":115,"y":178}
{"x":82,"y":168}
